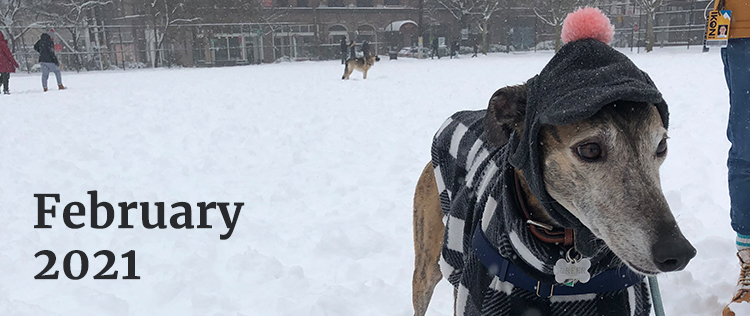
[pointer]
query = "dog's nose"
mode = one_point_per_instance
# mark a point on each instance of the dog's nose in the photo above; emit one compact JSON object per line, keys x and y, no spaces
{"x":672,"y":254}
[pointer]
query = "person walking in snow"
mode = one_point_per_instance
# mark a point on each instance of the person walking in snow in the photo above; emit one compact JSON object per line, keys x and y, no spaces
{"x":352,"y":50}
{"x":435,"y":46}
{"x":343,"y":48}
{"x":736,"y":58}
{"x":47,"y":59}
{"x":8,"y":64}
{"x":366,"y":48}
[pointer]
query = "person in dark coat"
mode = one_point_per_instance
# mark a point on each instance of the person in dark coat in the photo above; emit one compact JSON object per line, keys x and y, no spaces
{"x":456,"y":47}
{"x":343,"y":50}
{"x":47,"y":59}
{"x":435,"y":46}
{"x":8,"y":64}
{"x":476,"y":49}
{"x":352,"y":50}
{"x":366,"y":48}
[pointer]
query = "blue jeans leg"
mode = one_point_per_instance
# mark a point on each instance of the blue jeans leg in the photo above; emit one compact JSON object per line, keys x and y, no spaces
{"x":736,"y":58}
{"x":45,"y":74}
{"x":46,"y":69}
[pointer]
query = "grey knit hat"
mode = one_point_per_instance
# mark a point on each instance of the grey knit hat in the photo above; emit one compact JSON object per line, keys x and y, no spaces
{"x":584,"y":75}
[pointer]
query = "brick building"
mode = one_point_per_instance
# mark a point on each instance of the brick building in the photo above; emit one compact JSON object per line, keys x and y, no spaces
{"x":382,"y":22}
{"x":125,"y":34}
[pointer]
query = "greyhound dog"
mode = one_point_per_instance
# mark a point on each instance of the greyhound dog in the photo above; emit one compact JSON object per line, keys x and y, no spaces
{"x":477,"y":201}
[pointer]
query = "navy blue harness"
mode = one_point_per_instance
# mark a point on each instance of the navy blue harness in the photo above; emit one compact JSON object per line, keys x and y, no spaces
{"x":608,"y":281}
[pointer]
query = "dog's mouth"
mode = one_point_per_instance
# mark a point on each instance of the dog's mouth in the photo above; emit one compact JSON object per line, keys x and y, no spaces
{"x":642,"y":271}
{"x":649,"y":245}
{"x":652,"y":270}
{"x":663,"y":255}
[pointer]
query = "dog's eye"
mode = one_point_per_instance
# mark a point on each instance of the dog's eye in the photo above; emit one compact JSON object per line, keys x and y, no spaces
{"x":661,"y":150}
{"x":589,"y":151}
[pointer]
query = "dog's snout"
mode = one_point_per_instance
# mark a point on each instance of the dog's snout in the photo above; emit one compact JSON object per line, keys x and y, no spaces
{"x":672,"y":254}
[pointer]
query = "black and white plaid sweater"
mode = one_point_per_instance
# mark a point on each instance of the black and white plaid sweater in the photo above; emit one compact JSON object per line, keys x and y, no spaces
{"x":475,"y":182}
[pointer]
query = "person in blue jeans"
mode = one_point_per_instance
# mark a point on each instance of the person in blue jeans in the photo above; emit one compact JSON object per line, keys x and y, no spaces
{"x":736,"y":58}
{"x":48,"y":61}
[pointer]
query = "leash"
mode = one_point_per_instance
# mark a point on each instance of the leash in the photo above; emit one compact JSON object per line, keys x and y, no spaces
{"x":653,"y":285}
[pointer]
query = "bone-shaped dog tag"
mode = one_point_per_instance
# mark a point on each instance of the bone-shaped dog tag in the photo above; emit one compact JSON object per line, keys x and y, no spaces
{"x":569,"y":273}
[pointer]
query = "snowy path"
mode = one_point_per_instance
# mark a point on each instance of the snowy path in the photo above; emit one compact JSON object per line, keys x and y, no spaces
{"x":326,"y":168}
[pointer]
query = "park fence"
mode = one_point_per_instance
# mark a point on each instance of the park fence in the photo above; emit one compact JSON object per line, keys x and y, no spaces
{"x":103,"y":47}
{"x":137,"y":46}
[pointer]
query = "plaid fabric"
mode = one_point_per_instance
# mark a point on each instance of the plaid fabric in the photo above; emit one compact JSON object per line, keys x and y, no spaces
{"x":476,"y":182}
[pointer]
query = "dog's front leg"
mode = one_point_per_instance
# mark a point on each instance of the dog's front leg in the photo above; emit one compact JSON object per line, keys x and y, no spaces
{"x":347,"y":72}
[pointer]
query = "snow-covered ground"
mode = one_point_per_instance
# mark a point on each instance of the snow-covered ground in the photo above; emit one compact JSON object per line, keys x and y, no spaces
{"x":326,"y":169}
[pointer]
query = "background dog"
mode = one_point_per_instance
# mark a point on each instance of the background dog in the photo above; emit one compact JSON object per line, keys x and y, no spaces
{"x":362,"y":64}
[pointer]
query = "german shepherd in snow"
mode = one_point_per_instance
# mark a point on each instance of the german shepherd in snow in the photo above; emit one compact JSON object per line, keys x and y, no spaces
{"x":634,"y":220}
{"x":362,"y":64}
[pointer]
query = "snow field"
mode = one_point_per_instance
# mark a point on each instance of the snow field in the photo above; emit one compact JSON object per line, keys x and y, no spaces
{"x":326,"y":169}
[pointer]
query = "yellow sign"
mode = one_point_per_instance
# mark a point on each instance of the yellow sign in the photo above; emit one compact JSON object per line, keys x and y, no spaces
{"x":717,"y":28}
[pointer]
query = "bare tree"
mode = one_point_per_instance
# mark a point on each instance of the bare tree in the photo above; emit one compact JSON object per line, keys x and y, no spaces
{"x":73,"y":15}
{"x":166,"y":14}
{"x":475,"y":12}
{"x":461,"y":10}
{"x":650,"y":6}
{"x":553,"y":12}
{"x":227,"y":10}
{"x":486,"y":9}
{"x":16,"y":17}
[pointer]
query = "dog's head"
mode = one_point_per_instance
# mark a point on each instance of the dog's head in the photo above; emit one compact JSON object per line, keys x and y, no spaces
{"x":605,"y":171}
{"x":372,"y":59}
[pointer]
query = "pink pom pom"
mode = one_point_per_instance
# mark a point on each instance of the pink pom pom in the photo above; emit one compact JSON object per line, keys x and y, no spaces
{"x":587,"y":23}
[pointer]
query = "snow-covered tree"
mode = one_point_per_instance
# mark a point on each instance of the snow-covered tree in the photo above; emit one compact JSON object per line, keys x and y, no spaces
{"x":650,"y":7}
{"x":472,"y":12}
{"x":165,"y":14}
{"x":553,"y":12}
{"x":16,"y":17}
{"x":461,"y":10}
{"x":218,"y":10}
{"x":485,"y":10}
{"x":74,"y":16}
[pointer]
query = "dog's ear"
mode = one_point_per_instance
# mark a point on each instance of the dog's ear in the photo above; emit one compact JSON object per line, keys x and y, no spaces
{"x":505,"y":114}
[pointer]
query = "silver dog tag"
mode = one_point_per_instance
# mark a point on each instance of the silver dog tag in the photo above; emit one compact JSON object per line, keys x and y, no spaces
{"x":569,"y":273}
